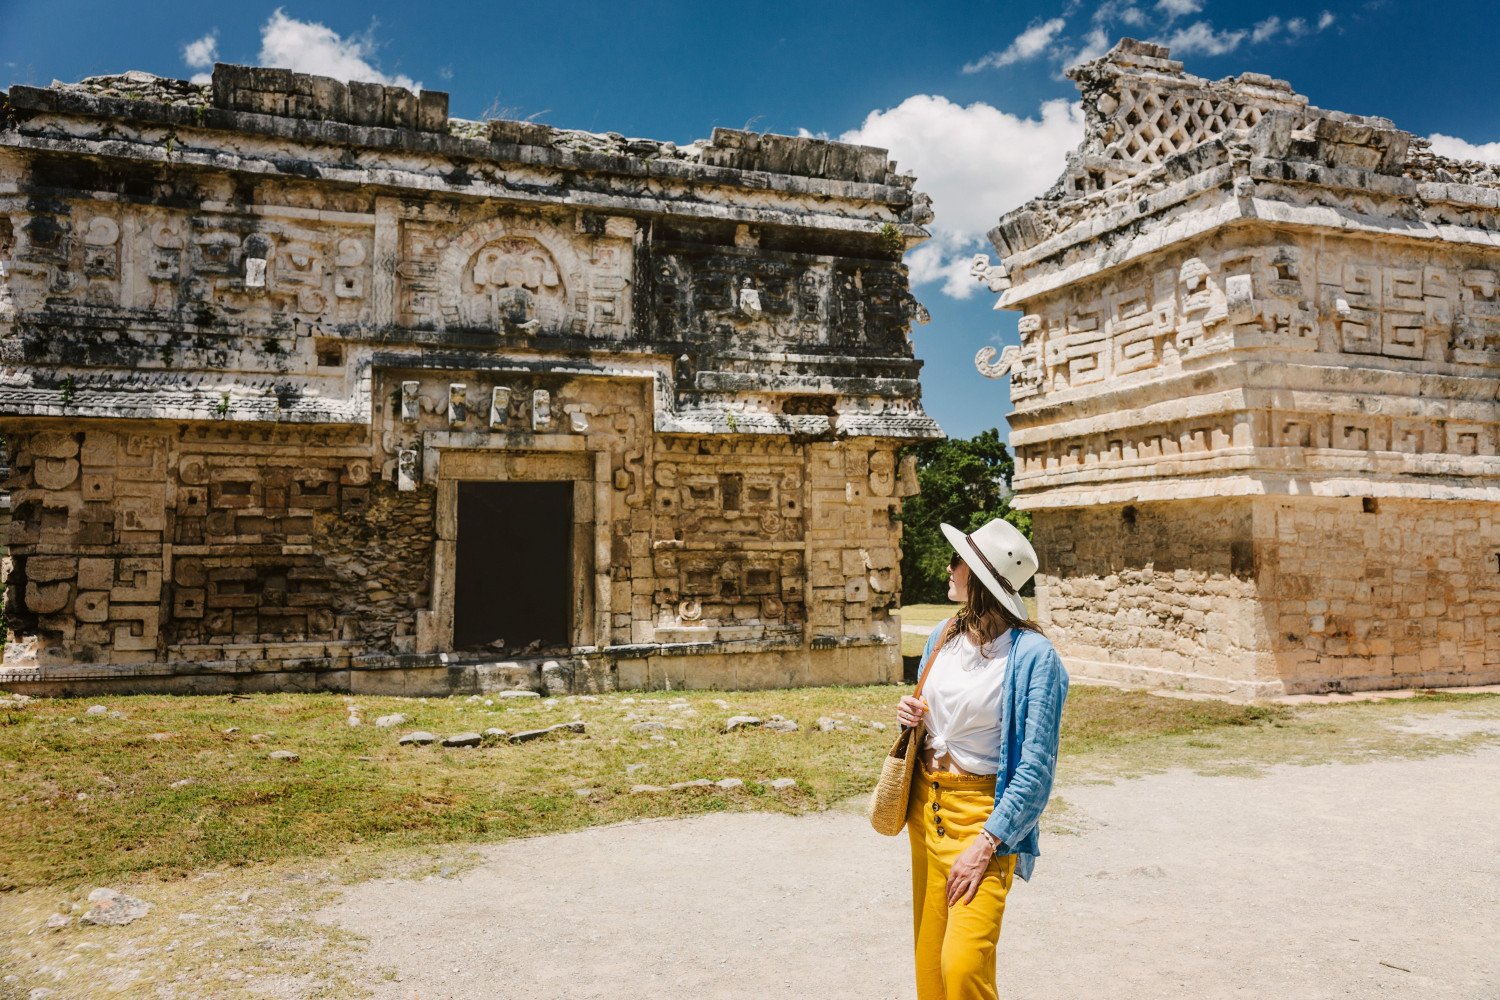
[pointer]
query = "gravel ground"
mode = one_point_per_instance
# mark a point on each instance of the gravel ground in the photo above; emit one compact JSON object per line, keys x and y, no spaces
{"x":1372,"y":880}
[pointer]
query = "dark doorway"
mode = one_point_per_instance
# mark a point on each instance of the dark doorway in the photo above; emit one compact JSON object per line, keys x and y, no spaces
{"x":514,"y":573}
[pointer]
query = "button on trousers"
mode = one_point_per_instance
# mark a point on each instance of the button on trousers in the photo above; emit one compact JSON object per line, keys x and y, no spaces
{"x":955,"y":946}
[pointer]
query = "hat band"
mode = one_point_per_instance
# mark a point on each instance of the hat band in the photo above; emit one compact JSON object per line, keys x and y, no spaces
{"x":998,"y":576}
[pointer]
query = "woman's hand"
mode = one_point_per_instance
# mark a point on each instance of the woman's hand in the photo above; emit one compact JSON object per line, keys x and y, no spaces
{"x":909,"y":711}
{"x":968,"y":870}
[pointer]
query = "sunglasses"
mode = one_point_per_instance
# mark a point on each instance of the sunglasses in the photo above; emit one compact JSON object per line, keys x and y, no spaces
{"x":953,"y":563}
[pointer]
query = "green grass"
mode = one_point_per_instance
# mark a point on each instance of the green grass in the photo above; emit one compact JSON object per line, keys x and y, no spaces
{"x":926,"y":615}
{"x":355,"y":787}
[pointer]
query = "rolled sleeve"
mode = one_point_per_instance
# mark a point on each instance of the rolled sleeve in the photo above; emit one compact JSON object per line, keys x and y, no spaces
{"x":1025,"y":795}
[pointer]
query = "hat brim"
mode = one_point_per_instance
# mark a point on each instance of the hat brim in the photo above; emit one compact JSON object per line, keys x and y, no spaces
{"x":960,"y":542}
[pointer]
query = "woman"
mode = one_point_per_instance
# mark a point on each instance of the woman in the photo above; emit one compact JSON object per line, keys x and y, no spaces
{"x":992,"y":701}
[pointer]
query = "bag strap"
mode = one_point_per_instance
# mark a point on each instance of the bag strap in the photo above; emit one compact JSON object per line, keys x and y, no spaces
{"x":927,"y":666}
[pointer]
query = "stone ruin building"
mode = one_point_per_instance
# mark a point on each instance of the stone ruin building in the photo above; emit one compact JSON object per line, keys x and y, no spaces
{"x":305,"y":384}
{"x":1257,"y":393}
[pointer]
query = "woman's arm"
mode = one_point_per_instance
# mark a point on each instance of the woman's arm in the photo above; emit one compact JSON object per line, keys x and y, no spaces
{"x":1025,"y":795}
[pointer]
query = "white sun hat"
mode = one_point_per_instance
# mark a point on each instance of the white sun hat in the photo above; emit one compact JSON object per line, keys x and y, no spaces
{"x":994,"y":552}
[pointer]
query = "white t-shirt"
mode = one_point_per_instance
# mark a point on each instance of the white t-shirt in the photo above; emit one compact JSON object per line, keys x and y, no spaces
{"x":963,"y":702}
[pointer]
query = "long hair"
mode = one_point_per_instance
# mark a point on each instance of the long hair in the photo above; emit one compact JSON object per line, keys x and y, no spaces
{"x":982,"y":617}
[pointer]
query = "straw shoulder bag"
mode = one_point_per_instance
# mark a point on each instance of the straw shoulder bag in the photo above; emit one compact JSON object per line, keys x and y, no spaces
{"x":893,"y":791}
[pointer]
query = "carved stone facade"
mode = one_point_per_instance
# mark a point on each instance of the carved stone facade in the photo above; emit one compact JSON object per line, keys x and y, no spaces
{"x":258,"y":338}
{"x":1257,"y":391}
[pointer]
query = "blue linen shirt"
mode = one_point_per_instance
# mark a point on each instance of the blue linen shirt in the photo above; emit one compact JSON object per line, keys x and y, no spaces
{"x":1031,"y":705}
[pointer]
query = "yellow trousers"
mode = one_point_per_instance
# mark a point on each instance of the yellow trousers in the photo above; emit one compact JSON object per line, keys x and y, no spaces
{"x":955,"y":946}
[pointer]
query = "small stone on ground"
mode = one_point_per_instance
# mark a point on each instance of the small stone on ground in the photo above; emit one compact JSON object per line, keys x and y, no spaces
{"x":113,"y":908}
{"x":536,"y":734}
{"x":419,"y":738}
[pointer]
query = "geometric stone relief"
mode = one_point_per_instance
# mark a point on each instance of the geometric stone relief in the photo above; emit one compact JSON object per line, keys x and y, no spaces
{"x":106,"y":584}
{"x":512,"y":284}
{"x":696,"y":502}
{"x":1204,"y":306}
{"x":1476,"y":334}
{"x":722,"y":296}
{"x":1305,"y":432}
{"x":1075,"y":348}
{"x":261,"y":270}
{"x":1253,"y":297}
{"x":521,"y":276}
{"x":1169,"y":441}
{"x":1138,"y":329}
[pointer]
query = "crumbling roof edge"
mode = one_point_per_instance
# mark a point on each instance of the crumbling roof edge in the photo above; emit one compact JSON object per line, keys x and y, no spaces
{"x":417,"y":128}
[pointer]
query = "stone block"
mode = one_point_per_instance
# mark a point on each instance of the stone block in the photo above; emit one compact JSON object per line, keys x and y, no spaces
{"x":47,"y":598}
{"x":92,"y":606}
{"x":137,"y":579}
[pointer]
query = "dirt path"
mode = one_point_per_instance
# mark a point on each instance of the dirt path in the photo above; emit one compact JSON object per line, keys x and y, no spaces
{"x":1378,"y":879}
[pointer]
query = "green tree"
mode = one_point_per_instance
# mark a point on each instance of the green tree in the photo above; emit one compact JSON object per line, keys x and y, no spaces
{"x":965,"y":483}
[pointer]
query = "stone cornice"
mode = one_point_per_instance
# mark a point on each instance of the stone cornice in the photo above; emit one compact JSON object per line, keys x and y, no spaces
{"x":404,"y":160}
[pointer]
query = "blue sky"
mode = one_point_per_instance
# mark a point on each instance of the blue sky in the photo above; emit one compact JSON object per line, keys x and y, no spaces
{"x":970,"y":95}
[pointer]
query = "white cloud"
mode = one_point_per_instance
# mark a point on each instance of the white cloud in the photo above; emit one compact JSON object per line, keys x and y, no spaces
{"x":1174,"y":9}
{"x":976,"y":162}
{"x":1299,"y":26}
{"x":1265,"y":29}
{"x":1200,"y":38}
{"x":1097,"y":42}
{"x":308,"y":47}
{"x":1461,"y":149}
{"x":201,"y":54}
{"x":945,"y":261}
{"x":1030,"y":43}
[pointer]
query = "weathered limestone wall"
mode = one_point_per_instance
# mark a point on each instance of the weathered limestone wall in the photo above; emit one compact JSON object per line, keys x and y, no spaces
{"x":1154,"y":593}
{"x":1253,"y":596}
{"x":1270,"y":334}
{"x":226,"y":545}
{"x":1382,"y":593}
{"x":255,"y":335}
